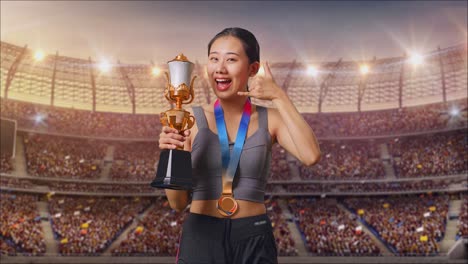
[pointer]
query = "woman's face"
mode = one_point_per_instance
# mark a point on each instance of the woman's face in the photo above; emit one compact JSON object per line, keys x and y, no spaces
{"x":228,"y":67}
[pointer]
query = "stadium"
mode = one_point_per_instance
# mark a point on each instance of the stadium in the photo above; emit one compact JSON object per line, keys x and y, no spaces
{"x":79,"y":148}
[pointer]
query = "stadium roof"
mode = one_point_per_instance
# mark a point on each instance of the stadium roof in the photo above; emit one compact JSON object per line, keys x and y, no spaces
{"x":339,"y":87}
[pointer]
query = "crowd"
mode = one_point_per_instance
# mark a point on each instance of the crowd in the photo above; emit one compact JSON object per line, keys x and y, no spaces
{"x":351,"y":160}
{"x":88,"y":225}
{"x":272,"y":188}
{"x":52,"y":156}
{"x":20,"y":228}
{"x":135,"y":161}
{"x":115,"y":188}
{"x":284,"y":241}
{"x":6,"y":165}
{"x":392,"y":186}
{"x":72,"y":158}
{"x":430,"y":155}
{"x":80,"y":122}
{"x":157,"y":234}
{"x":411,"y":225}
{"x":383,"y":122}
{"x":308,"y":187}
{"x":279,"y":169}
{"x":365,"y":187}
{"x":463,"y":219}
{"x":15,"y":183}
{"x":101,"y":188}
{"x":6,"y":249}
{"x":329,"y":231}
{"x":388,"y":122}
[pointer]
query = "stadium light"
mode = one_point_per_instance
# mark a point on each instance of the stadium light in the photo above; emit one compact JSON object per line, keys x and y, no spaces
{"x":155,"y":71}
{"x":104,"y":66}
{"x":312,"y":71}
{"x":39,"y":55}
{"x":416,"y":59}
{"x":38,"y":118}
{"x":364,"y":69}
{"x":454,"y":111}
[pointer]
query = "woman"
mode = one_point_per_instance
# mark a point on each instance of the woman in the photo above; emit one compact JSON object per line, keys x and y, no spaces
{"x":227,"y":221}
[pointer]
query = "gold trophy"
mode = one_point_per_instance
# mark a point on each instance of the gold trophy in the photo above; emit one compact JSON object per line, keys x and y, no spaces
{"x":175,"y":165}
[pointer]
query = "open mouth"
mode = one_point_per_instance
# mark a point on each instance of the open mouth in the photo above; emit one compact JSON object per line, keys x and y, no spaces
{"x":223,"y":84}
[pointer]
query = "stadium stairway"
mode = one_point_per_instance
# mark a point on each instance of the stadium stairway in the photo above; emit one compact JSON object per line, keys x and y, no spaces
{"x":107,"y":163}
{"x":451,"y":229}
{"x":51,"y":243}
{"x":384,"y":154}
{"x":387,"y":162}
{"x":130,"y":228}
{"x":383,"y":249}
{"x":389,"y":170}
{"x":20,"y":158}
{"x":295,"y":234}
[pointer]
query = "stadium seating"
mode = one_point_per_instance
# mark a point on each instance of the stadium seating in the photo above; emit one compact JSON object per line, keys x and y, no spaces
{"x":20,"y":227}
{"x":410,"y":225}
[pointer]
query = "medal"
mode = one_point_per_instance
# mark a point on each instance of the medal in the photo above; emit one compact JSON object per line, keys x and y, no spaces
{"x":227,"y":205}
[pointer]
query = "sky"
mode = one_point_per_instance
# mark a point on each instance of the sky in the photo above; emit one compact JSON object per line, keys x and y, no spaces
{"x":137,"y":32}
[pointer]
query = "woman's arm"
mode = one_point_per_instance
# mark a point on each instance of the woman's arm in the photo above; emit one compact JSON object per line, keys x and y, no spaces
{"x":286,"y":124}
{"x":292,"y":132}
{"x":168,"y":139}
{"x":178,"y":200}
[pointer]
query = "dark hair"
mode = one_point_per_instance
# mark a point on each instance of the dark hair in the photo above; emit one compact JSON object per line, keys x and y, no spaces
{"x":249,"y":42}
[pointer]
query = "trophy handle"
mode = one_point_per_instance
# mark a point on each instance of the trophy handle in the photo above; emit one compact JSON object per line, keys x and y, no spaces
{"x":167,"y":77}
{"x":167,"y":92}
{"x":190,"y":122}
{"x":192,"y":95}
{"x":191,"y":87}
{"x":163,"y":119}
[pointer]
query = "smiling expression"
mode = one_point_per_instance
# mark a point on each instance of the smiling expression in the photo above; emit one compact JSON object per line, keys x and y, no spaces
{"x":228,"y":67}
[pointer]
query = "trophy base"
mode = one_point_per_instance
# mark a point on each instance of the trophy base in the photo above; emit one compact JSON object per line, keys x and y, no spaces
{"x":174,"y":170}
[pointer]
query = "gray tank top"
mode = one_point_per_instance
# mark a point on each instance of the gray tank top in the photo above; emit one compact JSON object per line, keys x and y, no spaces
{"x":254,"y":164}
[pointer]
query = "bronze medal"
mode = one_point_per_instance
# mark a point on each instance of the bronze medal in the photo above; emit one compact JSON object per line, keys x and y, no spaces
{"x":227,"y":206}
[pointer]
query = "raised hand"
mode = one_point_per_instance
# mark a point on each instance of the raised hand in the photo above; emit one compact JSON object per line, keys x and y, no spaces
{"x":263,"y":87}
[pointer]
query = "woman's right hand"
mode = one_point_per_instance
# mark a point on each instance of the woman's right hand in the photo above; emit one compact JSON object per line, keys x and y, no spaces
{"x":171,"y":139}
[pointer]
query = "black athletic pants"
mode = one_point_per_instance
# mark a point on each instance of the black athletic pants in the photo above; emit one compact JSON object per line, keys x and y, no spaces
{"x":207,"y":239}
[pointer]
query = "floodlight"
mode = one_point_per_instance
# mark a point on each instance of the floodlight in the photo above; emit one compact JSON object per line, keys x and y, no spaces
{"x":39,"y":55}
{"x":364,"y":69}
{"x":104,"y":66}
{"x":312,"y":71}
{"x":416,"y":59}
{"x":156,"y":71}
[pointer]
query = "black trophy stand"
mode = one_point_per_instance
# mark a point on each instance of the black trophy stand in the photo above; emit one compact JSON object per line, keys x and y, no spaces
{"x":174,"y":170}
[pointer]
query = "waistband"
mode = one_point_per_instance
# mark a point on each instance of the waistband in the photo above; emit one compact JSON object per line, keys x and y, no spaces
{"x":238,"y":228}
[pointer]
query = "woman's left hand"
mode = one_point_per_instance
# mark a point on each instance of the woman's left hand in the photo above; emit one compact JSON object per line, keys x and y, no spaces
{"x":263,"y":87}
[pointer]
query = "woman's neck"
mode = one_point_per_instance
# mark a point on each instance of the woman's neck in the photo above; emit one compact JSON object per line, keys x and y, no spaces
{"x":233,"y":106}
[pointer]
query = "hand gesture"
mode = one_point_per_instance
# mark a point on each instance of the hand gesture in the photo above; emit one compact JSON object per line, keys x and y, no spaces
{"x":263,"y":87}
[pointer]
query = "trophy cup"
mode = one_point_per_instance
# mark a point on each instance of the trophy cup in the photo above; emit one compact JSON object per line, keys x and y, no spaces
{"x":175,"y":165}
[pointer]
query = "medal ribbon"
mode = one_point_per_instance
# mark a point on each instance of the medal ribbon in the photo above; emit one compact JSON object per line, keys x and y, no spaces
{"x":229,"y":161}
